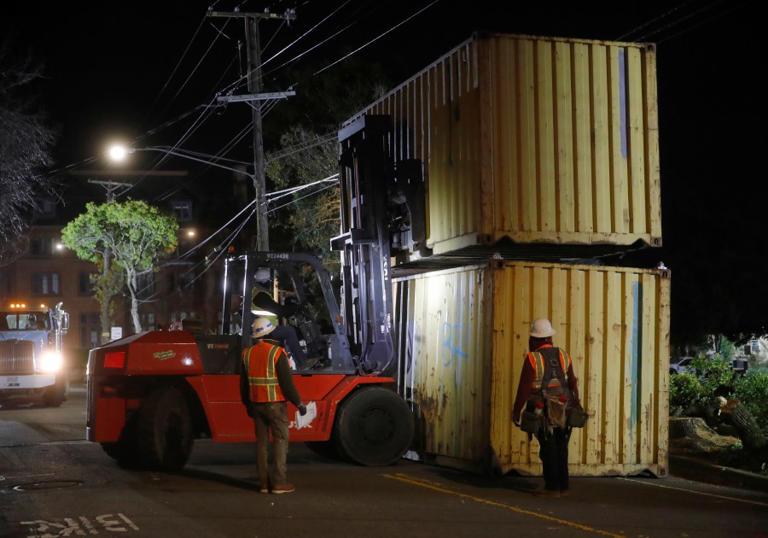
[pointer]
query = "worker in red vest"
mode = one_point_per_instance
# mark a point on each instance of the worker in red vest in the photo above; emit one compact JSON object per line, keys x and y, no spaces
{"x":545,"y":393}
{"x":265,"y":385}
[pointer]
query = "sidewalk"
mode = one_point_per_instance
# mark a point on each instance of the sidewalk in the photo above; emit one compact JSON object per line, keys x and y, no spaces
{"x":705,"y":471}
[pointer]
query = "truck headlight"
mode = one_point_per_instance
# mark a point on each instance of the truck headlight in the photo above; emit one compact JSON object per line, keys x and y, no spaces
{"x":51,"y":361}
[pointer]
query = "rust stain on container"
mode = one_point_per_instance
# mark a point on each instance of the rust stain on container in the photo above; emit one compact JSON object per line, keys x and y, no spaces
{"x":462,"y":338}
{"x":537,"y":139}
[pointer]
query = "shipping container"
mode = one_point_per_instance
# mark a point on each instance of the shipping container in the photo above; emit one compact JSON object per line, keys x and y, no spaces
{"x":462,"y":335}
{"x":535,"y":139}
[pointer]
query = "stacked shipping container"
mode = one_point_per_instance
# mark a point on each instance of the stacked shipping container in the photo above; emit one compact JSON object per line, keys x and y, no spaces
{"x":541,"y":141}
{"x":535,"y":139}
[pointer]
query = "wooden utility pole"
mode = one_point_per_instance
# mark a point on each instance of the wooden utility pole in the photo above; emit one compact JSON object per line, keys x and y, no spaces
{"x":254,"y":98}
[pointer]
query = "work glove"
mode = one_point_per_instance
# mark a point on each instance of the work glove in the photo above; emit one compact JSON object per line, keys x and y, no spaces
{"x":302,"y":409}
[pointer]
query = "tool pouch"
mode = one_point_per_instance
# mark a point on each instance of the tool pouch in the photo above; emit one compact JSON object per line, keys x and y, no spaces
{"x":577,"y":417}
{"x":530,"y":422}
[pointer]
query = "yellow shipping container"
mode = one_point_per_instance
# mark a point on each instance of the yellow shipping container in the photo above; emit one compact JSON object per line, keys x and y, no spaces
{"x":462,"y":335}
{"x":537,"y":139}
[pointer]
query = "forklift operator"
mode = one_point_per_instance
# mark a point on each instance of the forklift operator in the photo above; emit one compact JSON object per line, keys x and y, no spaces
{"x":265,"y":306}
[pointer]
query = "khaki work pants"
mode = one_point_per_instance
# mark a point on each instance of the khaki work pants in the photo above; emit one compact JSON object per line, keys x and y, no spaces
{"x":271,"y":417}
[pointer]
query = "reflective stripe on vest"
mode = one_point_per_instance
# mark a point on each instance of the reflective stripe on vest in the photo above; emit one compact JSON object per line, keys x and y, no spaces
{"x":537,"y":363}
{"x":261,"y":362}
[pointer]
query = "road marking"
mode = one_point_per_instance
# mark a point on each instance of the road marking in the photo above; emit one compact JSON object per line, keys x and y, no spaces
{"x":404,"y":478}
{"x":16,"y":477}
{"x":727,"y":498}
{"x":80,"y":525}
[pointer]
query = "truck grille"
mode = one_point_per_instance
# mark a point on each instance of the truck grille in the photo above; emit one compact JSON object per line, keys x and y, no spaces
{"x":17,"y":357}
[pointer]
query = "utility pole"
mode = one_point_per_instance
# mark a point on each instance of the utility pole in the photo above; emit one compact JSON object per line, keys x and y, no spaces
{"x":254,"y":98}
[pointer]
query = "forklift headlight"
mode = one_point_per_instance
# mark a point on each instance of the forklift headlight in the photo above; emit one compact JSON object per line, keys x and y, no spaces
{"x":51,"y":361}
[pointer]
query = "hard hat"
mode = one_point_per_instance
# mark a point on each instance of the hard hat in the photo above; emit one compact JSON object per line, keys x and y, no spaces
{"x":542,"y":328}
{"x":262,"y":327}
{"x":262,"y":274}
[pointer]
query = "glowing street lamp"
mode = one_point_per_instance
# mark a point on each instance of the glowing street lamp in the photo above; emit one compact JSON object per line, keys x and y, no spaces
{"x":118,"y":152}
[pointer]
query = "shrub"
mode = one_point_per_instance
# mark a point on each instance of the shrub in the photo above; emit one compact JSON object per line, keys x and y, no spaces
{"x":727,"y":349}
{"x":752,"y":391}
{"x":715,"y":373}
{"x":685,"y":390}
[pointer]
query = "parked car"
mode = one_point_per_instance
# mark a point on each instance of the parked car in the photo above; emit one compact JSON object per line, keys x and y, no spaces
{"x":680,"y":365}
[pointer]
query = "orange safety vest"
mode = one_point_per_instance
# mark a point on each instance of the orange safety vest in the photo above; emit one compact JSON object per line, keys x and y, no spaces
{"x":537,"y":363}
{"x":261,"y":364}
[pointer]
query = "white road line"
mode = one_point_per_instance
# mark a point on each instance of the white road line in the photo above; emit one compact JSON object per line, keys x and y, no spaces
{"x":727,"y":498}
{"x":2,"y":477}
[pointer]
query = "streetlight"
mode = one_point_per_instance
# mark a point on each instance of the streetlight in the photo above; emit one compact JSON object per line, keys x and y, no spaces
{"x":119,"y":152}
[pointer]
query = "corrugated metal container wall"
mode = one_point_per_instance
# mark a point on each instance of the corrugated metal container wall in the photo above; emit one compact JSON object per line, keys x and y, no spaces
{"x":535,"y":139}
{"x":462,"y":341}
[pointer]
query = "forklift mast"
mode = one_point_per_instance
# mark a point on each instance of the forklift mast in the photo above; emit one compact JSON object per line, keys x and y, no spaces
{"x":381,"y":213}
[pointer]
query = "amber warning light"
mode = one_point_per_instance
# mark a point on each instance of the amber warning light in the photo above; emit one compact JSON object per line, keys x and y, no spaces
{"x":114,"y":359}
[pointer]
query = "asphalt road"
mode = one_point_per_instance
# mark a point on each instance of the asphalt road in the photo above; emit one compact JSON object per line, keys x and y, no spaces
{"x":53,"y":483}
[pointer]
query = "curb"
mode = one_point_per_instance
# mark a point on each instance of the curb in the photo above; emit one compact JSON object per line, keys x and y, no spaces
{"x":704,"y":471}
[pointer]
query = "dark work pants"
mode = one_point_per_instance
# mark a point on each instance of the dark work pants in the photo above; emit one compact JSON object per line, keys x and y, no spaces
{"x":271,"y":418}
{"x":287,"y":335}
{"x":553,"y":451}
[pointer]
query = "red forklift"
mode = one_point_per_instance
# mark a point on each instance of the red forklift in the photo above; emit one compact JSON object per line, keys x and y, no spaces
{"x":151,"y":394}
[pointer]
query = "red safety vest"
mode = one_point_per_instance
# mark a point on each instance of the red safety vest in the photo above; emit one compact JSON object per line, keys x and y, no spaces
{"x":261,"y":363}
{"x":537,"y":363}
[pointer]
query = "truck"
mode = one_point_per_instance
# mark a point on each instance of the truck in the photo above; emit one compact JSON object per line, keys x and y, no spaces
{"x":32,"y":362}
{"x":150,"y":395}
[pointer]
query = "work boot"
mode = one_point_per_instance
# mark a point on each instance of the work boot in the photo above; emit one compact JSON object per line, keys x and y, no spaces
{"x":283,"y":488}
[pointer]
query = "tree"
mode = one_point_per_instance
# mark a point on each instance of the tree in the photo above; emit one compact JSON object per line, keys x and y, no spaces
{"x":25,"y":144}
{"x":135,"y":234}
{"x":308,"y":218}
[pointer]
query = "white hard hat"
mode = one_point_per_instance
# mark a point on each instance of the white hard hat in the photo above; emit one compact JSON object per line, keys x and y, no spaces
{"x":262,"y":327}
{"x":542,"y":328}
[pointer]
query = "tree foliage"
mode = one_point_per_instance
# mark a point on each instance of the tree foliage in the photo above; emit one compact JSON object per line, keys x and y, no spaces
{"x":134,"y":233}
{"x":307,"y":219}
{"x":752,"y":390}
{"x":25,"y":144}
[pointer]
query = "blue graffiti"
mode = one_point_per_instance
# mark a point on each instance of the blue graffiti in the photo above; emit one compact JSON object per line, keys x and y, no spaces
{"x":453,"y":349}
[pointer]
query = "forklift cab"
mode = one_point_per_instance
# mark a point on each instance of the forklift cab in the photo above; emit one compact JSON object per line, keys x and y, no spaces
{"x":301,"y":277}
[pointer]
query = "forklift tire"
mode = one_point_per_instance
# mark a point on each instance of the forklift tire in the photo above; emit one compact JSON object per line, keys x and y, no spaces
{"x":373,"y":427}
{"x":164,"y":430}
{"x":123,"y":451}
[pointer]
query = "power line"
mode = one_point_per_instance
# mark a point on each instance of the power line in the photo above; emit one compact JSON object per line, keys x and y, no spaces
{"x":681,"y":19}
{"x":240,"y":81}
{"x":178,"y":64}
{"x":626,"y":35}
{"x":691,"y":28}
{"x":376,"y":38}
{"x":318,"y":191}
{"x":200,"y":61}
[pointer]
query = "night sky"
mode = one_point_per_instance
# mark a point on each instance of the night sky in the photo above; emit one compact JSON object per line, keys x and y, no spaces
{"x":108,"y":66}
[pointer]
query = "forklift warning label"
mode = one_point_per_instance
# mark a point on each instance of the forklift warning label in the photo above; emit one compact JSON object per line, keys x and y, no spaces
{"x":305,"y":421}
{"x":164,"y":355}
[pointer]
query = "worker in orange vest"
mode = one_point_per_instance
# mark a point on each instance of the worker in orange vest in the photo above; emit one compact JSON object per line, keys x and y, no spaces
{"x":266,"y":383}
{"x":547,"y":396}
